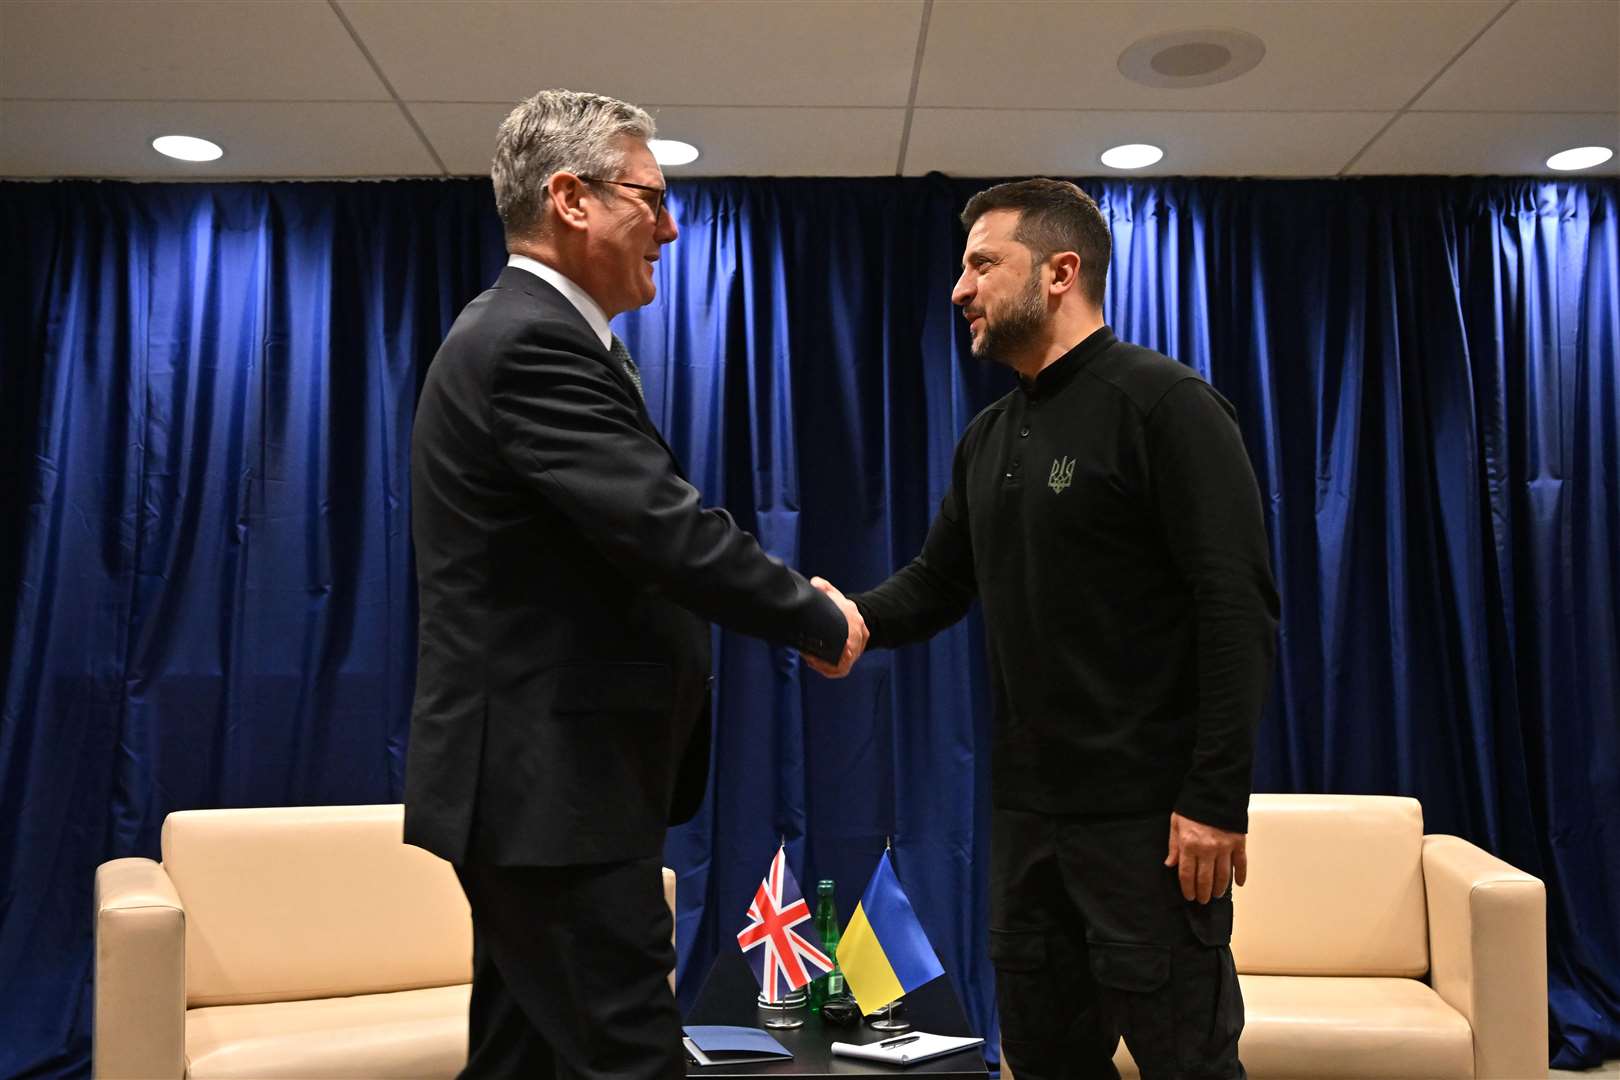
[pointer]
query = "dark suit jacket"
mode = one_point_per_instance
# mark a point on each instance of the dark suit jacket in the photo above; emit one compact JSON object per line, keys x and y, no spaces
{"x":565,"y":570}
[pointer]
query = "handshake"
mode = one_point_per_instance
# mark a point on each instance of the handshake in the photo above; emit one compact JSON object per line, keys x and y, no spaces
{"x":854,"y":644}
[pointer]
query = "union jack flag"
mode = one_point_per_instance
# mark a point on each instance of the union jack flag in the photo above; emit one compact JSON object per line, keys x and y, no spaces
{"x":783,"y":960}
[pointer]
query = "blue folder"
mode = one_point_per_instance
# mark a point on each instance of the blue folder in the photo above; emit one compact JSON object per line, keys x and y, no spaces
{"x":724,"y":1041}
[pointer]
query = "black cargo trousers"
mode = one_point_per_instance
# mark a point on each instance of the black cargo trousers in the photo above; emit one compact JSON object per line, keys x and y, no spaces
{"x":1091,"y":939}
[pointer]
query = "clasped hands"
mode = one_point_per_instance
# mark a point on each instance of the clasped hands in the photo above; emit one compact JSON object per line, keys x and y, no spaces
{"x":854,"y":643}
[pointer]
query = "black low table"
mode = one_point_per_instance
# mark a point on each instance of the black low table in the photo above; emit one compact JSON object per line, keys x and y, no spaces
{"x":729,"y":995}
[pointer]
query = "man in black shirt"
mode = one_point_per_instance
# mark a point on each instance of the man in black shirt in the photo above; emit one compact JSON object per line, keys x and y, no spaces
{"x":1106,"y":514}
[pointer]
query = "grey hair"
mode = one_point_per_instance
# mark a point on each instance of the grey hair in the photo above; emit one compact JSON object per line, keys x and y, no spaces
{"x":558,"y":131}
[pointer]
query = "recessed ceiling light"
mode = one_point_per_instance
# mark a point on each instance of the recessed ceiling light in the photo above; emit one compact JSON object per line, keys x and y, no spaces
{"x":1189,"y":58}
{"x":187,"y":148}
{"x":1131,"y":156}
{"x":1581,"y":157}
{"x":672,"y":151}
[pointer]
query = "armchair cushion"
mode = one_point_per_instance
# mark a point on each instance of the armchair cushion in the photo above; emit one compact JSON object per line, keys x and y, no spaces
{"x":312,"y":902}
{"x":410,"y":1033}
{"x":1346,"y":1029}
{"x":1335,"y":887}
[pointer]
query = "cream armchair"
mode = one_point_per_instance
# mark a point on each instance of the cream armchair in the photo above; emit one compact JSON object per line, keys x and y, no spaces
{"x":1367,"y":949}
{"x":300,"y":942}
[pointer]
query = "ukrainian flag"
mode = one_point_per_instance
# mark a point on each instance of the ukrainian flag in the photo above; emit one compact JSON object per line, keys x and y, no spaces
{"x":884,"y":953}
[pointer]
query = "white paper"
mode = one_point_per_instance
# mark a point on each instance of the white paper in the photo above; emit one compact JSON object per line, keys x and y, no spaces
{"x":921,"y":1047}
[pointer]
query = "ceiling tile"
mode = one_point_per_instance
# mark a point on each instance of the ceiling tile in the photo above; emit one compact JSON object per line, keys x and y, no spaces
{"x":246,"y":50}
{"x":801,"y":87}
{"x":1320,"y":55}
{"x":701,"y":52}
{"x":985,"y":142}
{"x":1454,"y":143}
{"x":734,"y":142}
{"x":261,"y":140}
{"x":1542,"y":56}
{"x":463,"y":135}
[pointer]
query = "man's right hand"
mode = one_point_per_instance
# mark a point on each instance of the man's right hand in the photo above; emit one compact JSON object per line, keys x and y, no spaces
{"x":1206,"y":858}
{"x":854,"y":644}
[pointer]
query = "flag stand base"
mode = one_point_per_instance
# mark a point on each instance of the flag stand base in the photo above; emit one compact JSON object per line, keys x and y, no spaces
{"x":786,"y":1013}
{"x":887,"y":1021}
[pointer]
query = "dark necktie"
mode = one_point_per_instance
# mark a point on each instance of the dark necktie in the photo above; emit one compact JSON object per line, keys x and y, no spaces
{"x":621,"y":356}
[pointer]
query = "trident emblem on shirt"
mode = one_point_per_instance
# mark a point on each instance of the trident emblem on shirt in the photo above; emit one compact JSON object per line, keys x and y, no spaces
{"x":1062,"y":473}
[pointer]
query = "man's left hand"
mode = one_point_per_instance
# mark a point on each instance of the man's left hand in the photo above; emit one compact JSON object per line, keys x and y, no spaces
{"x":1206,"y":857}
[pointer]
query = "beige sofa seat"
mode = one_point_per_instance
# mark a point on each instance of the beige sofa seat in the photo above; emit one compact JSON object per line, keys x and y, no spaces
{"x":408,"y":1033}
{"x":284,"y":942}
{"x":1355,"y":1029}
{"x":1366,"y":949}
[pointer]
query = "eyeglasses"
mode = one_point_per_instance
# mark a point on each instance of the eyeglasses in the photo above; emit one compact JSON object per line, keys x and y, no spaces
{"x":656,"y":205}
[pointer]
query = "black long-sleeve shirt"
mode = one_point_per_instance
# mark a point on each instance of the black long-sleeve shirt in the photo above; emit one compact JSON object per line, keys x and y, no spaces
{"x":1107,"y":516}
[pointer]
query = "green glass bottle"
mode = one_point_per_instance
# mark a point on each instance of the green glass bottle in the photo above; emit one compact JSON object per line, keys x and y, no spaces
{"x":830,"y":985}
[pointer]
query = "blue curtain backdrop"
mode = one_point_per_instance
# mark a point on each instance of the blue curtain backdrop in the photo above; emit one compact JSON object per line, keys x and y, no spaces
{"x":206,"y":593}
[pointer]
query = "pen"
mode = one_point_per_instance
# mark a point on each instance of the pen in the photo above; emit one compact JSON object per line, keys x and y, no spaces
{"x":900,"y":1041}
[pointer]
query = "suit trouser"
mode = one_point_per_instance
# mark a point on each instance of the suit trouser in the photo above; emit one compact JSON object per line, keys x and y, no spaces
{"x":1091,"y":939}
{"x":570,"y":970}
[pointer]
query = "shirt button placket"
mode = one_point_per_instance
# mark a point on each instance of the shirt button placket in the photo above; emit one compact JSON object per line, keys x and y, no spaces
{"x":1023,"y":433}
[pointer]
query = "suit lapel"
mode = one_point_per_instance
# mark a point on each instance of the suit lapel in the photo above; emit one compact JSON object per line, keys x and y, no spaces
{"x":558,"y":309}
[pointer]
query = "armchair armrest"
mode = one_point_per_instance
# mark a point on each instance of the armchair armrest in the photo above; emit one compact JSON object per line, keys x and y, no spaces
{"x":140,"y":977}
{"x":669,"y":898}
{"x":1488,"y":954}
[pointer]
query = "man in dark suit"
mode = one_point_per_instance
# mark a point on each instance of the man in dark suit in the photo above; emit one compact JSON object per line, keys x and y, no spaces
{"x":566,"y":572}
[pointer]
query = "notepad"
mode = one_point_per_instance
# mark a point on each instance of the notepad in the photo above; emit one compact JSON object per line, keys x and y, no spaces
{"x":906,"y":1049}
{"x":719,"y":1043}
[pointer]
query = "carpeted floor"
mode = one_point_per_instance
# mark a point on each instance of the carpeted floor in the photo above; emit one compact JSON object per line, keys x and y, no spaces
{"x":1608,"y":1068}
